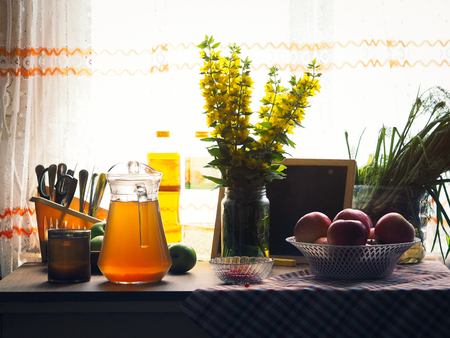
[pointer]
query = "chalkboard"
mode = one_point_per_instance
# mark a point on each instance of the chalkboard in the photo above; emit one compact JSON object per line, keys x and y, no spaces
{"x":310,"y":185}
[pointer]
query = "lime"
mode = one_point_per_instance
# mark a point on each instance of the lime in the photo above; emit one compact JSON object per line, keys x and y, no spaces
{"x":96,"y":243}
{"x":183,"y":257}
{"x":103,"y":224}
{"x":98,"y":229}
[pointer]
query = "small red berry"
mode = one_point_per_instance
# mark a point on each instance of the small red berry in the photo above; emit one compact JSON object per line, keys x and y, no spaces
{"x":246,"y":285}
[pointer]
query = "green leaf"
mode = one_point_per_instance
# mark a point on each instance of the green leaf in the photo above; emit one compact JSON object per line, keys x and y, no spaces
{"x":223,"y":146}
{"x":216,"y":180}
{"x":215,"y":152}
{"x":297,"y":123}
{"x":219,"y":162}
{"x":208,"y":139}
{"x":269,"y":177}
{"x":283,"y":139}
{"x":266,"y":125}
{"x":277,"y":157}
{"x":278,"y":167}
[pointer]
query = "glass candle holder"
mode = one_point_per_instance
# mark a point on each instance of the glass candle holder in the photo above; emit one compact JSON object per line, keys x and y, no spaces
{"x":69,"y":254}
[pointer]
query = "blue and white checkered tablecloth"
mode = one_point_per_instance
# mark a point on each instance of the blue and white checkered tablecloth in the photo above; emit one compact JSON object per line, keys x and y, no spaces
{"x":413,"y":302}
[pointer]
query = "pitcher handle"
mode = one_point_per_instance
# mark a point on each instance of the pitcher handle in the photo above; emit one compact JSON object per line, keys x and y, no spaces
{"x":141,"y":191}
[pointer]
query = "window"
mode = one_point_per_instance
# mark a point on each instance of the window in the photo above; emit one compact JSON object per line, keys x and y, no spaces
{"x":142,"y":55}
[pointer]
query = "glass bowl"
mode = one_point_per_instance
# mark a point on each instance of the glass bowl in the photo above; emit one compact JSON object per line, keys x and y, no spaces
{"x":352,"y":262}
{"x":241,"y":270}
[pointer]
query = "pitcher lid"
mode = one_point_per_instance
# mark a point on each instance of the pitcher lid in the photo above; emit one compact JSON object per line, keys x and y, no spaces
{"x":133,"y":170}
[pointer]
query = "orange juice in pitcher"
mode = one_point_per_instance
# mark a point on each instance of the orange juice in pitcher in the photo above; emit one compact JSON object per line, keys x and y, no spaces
{"x":134,"y":247}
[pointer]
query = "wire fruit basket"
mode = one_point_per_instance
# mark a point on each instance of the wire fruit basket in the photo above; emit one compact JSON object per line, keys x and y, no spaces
{"x":352,"y":262}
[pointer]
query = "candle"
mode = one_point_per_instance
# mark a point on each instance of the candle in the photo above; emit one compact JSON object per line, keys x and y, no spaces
{"x":69,"y":255}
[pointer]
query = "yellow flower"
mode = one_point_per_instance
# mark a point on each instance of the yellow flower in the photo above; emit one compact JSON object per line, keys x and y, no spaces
{"x":215,"y":54}
{"x":263,"y":110}
{"x":247,"y":80}
{"x":251,"y":163}
{"x":262,"y":165}
{"x":278,"y":146}
{"x":236,"y":161}
{"x":242,"y":135}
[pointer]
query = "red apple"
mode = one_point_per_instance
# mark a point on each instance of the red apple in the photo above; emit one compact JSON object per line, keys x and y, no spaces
{"x":357,"y":215}
{"x":347,"y":232}
{"x":311,"y":227}
{"x":321,"y":240}
{"x":394,"y":228}
{"x":372,"y":233}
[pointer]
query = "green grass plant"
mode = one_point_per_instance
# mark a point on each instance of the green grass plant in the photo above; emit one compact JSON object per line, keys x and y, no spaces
{"x":418,"y":157}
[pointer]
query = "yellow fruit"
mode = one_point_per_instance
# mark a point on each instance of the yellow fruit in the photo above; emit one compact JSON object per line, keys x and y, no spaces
{"x":96,"y":243}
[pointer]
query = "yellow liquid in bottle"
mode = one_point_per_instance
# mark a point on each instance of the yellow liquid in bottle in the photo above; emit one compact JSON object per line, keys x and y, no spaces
{"x":126,"y":257}
{"x":169,"y":204}
{"x":169,"y":192}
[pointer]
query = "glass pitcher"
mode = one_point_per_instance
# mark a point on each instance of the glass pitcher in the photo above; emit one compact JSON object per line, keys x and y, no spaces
{"x":134,"y":248}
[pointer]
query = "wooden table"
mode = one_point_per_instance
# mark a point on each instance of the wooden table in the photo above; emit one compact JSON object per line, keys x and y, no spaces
{"x":30,"y":306}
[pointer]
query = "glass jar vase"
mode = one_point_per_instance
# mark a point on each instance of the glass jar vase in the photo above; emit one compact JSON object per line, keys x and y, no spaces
{"x":245,"y":222}
{"x":412,"y":203}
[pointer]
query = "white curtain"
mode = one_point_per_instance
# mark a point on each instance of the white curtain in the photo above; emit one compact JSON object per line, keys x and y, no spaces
{"x":120,"y":71}
{"x":44,"y":104}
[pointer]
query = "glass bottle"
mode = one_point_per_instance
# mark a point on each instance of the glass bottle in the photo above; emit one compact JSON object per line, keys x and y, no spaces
{"x":166,"y":159}
{"x":195,"y":161}
{"x":198,"y":204}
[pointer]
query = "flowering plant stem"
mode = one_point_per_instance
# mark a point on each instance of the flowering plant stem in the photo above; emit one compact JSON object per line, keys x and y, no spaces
{"x":247,"y":155}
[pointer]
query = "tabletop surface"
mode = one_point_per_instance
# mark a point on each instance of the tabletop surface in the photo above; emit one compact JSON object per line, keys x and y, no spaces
{"x":291,"y":302}
{"x":29,"y":283}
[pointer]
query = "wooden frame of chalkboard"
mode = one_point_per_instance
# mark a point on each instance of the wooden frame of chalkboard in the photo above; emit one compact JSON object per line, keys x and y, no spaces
{"x":323,"y":185}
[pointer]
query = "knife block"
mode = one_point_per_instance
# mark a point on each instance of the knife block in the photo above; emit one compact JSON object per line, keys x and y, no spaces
{"x":53,"y":215}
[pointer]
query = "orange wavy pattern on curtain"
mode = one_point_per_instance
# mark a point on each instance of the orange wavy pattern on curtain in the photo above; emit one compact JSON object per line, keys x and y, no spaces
{"x":41,"y":51}
{"x":332,"y":65}
{"x":27,"y":72}
{"x":20,"y":211}
{"x":322,"y":45}
{"x":20,"y":231}
{"x":10,"y":233}
{"x":43,"y":72}
{"x":66,"y":51}
{"x":66,"y":71}
{"x":51,"y":71}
